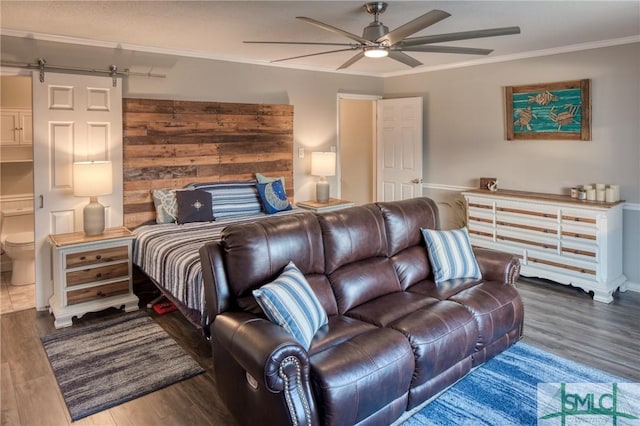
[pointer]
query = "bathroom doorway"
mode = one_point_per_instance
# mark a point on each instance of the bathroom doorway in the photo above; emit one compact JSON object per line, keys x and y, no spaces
{"x":16,"y":185}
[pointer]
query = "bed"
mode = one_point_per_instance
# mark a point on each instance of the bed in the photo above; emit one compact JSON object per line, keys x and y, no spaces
{"x":173,"y":146}
{"x":168,"y":255}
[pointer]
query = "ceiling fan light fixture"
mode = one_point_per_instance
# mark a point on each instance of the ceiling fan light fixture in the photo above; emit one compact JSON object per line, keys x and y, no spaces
{"x":376,"y":52}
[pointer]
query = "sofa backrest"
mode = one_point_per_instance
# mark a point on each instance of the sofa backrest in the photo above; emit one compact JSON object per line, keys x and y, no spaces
{"x":356,"y":260}
{"x":405,"y":244}
{"x":348,"y":256}
{"x":256,"y":253}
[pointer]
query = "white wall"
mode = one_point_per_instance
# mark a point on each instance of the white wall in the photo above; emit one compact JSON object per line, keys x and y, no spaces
{"x":464,"y":129}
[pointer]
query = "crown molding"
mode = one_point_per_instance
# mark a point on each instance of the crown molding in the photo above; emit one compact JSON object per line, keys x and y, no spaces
{"x":418,"y":70}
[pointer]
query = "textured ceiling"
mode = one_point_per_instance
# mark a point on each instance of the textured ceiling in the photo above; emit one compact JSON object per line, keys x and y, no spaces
{"x":216,"y":29}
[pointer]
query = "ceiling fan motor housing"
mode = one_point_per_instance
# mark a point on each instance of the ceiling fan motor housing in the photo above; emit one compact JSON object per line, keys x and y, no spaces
{"x":374,"y":30}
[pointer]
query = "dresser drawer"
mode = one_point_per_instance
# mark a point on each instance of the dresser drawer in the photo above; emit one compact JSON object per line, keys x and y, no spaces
{"x":101,"y":273}
{"x":97,"y":292}
{"x":93,"y":257}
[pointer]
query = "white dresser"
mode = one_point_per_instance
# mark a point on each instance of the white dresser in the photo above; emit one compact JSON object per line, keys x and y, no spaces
{"x":556,"y":237}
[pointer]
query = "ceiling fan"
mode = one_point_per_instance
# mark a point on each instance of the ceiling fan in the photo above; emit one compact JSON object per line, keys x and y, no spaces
{"x":377,"y":41}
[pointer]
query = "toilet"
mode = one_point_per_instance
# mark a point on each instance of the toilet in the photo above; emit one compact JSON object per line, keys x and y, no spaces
{"x":16,"y":236}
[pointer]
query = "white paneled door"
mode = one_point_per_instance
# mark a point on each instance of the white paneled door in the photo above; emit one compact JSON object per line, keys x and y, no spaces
{"x":399,"y":149}
{"x":75,"y":118}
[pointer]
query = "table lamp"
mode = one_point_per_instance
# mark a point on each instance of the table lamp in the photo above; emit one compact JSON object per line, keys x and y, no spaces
{"x":323,"y":164}
{"x":92,"y":179}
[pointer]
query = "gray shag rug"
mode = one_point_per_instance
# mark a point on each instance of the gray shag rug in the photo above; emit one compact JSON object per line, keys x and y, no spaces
{"x":105,"y":364}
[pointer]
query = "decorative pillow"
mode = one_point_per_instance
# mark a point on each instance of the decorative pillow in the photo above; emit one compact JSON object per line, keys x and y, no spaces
{"x":265,"y":179}
{"x":232,"y":198}
{"x":194,"y":206}
{"x":451,"y":255}
{"x":274,"y":198}
{"x":290,"y":302}
{"x":166,"y":205}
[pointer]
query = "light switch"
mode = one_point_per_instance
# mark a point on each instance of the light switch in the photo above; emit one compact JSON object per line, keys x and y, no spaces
{"x":300,"y":152}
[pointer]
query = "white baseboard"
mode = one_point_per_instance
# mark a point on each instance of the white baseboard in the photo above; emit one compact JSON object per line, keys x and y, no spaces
{"x":633,"y":286}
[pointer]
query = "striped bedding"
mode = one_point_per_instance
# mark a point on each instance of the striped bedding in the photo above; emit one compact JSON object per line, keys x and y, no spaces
{"x":168,"y":254}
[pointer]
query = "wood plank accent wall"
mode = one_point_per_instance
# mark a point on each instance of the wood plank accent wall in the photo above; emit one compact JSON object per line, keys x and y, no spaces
{"x":170,"y":144}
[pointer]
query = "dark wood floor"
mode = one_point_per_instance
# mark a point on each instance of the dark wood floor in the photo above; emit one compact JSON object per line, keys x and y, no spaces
{"x":559,"y":319}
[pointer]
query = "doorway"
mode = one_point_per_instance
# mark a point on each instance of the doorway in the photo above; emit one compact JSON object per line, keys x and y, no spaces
{"x":17,"y":292}
{"x":356,"y":144}
{"x":380,"y":148}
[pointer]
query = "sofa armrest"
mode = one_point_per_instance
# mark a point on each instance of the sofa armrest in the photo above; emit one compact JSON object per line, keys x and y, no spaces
{"x":272,"y":357}
{"x":497,"y":266}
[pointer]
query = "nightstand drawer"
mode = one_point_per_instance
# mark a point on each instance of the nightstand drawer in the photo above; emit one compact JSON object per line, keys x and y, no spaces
{"x":93,"y":257}
{"x":98,"y":292}
{"x":101,"y":273}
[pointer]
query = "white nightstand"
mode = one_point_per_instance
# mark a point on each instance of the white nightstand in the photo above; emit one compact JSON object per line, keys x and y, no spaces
{"x":91,"y":274}
{"x":329,"y":206}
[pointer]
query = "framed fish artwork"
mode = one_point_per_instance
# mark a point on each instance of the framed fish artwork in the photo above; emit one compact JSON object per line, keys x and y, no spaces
{"x":559,"y":110}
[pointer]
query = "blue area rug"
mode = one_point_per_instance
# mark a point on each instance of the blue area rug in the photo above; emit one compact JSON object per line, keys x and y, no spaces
{"x":102,"y":365}
{"x":505,"y":392}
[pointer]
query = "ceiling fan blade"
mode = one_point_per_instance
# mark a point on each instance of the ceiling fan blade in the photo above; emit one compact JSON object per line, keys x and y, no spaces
{"x":464,"y":35}
{"x":404,"y":58}
{"x":352,"y":61}
{"x":335,"y":30}
{"x":312,"y":54}
{"x":310,"y":43}
{"x":447,"y":49}
{"x":412,"y":27}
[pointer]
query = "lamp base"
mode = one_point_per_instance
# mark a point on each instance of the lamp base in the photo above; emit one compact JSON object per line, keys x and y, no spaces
{"x":322,"y":191}
{"x":93,"y":215}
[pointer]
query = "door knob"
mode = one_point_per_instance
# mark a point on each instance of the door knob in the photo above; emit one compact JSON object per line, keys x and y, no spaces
{"x":416,"y":180}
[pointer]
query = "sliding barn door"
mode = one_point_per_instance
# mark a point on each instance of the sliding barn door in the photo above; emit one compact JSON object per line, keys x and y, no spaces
{"x":76,"y":118}
{"x":399,"y":149}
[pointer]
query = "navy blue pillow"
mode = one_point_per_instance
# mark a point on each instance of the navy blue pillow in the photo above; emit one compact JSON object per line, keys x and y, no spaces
{"x":194,"y":206}
{"x":273,"y":196}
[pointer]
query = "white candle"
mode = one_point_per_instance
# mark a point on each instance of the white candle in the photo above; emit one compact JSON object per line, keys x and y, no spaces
{"x":616,"y":192}
{"x":591,"y":194}
{"x":600,"y":186}
{"x":600,"y":195}
{"x":610,"y":196}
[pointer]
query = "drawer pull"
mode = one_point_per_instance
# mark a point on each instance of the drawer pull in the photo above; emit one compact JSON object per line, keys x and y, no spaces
{"x":99,"y":275}
{"x":83,"y":258}
{"x":98,"y":257}
{"x":101,"y":294}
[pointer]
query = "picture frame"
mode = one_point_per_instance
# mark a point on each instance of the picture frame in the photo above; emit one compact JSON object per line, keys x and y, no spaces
{"x":560,"y":111}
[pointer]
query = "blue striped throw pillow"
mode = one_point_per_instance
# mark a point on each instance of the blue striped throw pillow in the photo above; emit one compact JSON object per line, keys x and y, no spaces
{"x":232,"y":198}
{"x":290,"y":302}
{"x":451,"y":255}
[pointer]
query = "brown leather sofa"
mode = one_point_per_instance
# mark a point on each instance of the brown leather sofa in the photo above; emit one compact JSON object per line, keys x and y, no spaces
{"x":394,"y":339}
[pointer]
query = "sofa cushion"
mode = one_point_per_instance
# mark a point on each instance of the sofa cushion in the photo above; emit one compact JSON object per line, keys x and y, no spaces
{"x":362,"y":281}
{"x":377,"y":311}
{"x":451,"y":255}
{"x":496,"y":307}
{"x":412,"y":265}
{"x":404,"y":219}
{"x":360,"y":377}
{"x":352,"y":234}
{"x":339,"y":329}
{"x":442,"y":335}
{"x":289,"y":302}
{"x":255,"y":253}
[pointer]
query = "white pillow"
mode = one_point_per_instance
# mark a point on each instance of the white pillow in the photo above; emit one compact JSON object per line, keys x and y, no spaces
{"x":290,"y":302}
{"x":451,"y":254}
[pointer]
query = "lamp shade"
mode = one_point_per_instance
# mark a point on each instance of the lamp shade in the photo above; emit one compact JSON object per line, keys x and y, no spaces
{"x":323,"y":163}
{"x":92,"y":178}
